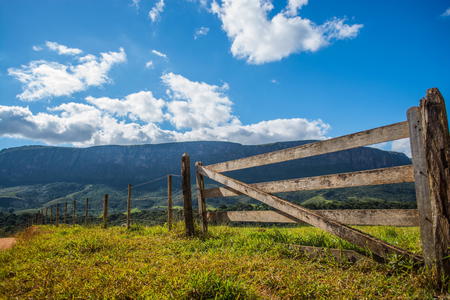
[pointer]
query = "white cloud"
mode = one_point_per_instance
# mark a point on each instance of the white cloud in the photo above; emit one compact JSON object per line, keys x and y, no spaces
{"x":446,"y":13}
{"x":156,"y":10}
{"x":61,"y":49}
{"x":149,"y":64}
{"x":262,"y":132}
{"x":37,"y":48}
{"x":336,"y":29}
{"x":274,"y":81}
{"x":402,"y":145}
{"x":258,"y":39}
{"x":294,"y":6}
{"x":43,"y":79}
{"x":158,"y":53}
{"x":138,"y":106}
{"x":77,"y":124}
{"x":201,"y":32}
{"x":197,"y":104}
{"x":198,"y":111}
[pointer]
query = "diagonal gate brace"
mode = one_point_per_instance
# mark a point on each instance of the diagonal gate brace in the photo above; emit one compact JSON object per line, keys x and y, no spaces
{"x":355,"y":236}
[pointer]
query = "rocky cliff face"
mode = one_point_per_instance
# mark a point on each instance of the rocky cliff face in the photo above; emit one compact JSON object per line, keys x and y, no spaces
{"x":119,"y":165}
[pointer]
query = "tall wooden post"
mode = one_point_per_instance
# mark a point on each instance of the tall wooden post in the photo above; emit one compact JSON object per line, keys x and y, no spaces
{"x":57,"y":215}
{"x":129,"y":207}
{"x":187,"y":195}
{"x":201,"y":198}
{"x":74,"y":212}
{"x":429,"y":138}
{"x":51,"y":214}
{"x":86,"y":211}
{"x":36,"y":218}
{"x":65,"y":212}
{"x":169,"y":202}
{"x":105,"y":211}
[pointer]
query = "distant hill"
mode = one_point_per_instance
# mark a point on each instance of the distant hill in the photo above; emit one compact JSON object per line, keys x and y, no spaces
{"x":33,"y":175}
{"x":120,"y":165}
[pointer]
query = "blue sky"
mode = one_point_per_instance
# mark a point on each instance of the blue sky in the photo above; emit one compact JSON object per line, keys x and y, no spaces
{"x":88,"y":73}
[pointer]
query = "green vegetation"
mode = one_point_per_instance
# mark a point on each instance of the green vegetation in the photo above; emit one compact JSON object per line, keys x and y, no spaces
{"x":228,"y":263}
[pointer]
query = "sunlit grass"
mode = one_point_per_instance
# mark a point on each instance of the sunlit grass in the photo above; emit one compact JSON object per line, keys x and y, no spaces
{"x":229,"y":263}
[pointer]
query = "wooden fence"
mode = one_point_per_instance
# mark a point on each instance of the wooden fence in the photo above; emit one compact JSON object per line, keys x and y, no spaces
{"x":427,"y":128}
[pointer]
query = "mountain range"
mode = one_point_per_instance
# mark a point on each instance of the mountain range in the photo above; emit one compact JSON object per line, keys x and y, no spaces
{"x":33,"y":176}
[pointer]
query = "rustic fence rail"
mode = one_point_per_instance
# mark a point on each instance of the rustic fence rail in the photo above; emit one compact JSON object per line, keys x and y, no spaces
{"x":427,"y":128}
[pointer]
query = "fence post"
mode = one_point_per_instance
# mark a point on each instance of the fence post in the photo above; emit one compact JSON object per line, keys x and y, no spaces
{"x":86,"y":211}
{"x":429,"y":138}
{"x":65,"y":212}
{"x":46,"y":215}
{"x":201,"y":198}
{"x":169,"y":202}
{"x":105,"y":211}
{"x":57,"y":215}
{"x":51,"y":215}
{"x":74,"y":212}
{"x":186,"y":185}
{"x":129,"y":207}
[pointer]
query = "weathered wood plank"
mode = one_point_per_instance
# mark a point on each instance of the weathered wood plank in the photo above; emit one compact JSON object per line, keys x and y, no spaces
{"x":368,"y":137}
{"x":364,"y":240}
{"x":187,"y":195}
{"x":382,"y":217}
{"x":201,"y":199}
{"x":361,"y":178}
{"x":430,"y":142}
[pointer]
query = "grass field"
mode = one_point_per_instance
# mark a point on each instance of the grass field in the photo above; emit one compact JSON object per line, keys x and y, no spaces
{"x":229,"y":263}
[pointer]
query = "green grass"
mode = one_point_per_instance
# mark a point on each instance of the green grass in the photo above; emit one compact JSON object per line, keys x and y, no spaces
{"x":229,"y":263}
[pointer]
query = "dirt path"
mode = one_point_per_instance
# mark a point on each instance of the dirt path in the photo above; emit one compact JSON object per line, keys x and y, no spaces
{"x":6,"y":243}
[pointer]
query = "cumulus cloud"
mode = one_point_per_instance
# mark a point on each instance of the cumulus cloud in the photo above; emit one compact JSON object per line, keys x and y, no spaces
{"x":201,"y":32}
{"x":197,"y":110}
{"x":61,"y":49}
{"x":259,"y":39}
{"x":446,"y":13}
{"x":43,"y":78}
{"x":262,"y":132}
{"x":149,"y":64}
{"x":156,"y":11}
{"x":37,"y":48}
{"x":197,"y":104}
{"x":138,"y":106}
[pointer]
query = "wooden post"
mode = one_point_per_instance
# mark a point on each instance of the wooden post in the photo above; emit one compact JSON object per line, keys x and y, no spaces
{"x":429,"y":138}
{"x":46,"y":215}
{"x":51,"y":214}
{"x":86,"y":211}
{"x":129,"y":207}
{"x":186,"y":185}
{"x":65,"y":212}
{"x":105,"y":211}
{"x":74,"y":212}
{"x":36,"y":216}
{"x":57,"y":215}
{"x":169,"y":202}
{"x":201,"y":198}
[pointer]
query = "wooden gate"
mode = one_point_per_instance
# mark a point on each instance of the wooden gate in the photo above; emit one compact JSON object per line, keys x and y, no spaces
{"x":427,"y":128}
